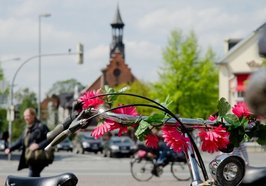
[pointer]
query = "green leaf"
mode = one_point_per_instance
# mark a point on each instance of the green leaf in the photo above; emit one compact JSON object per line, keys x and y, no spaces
{"x":261,"y":135}
{"x":142,"y":129}
{"x":167,"y":101}
{"x":232,"y":119}
{"x":223,"y":107}
{"x":236,"y":135}
{"x":244,"y":122}
{"x":155,"y":118}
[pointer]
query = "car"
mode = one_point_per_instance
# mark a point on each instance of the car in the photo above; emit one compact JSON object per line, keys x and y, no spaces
{"x":65,"y":145}
{"x":2,"y":145}
{"x":118,"y":146}
{"x":87,"y":143}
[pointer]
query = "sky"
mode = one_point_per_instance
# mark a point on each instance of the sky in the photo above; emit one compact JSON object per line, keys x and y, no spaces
{"x":148,"y":24}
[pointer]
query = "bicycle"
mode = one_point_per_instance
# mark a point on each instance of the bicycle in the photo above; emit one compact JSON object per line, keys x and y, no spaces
{"x":146,"y":164}
{"x":224,"y":169}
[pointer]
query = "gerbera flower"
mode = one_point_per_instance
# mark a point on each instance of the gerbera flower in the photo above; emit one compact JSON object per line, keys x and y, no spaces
{"x":132,"y":111}
{"x":151,"y":140}
{"x":121,"y":128}
{"x":173,"y":138}
{"x":241,"y":109}
{"x":213,"y":139}
{"x":101,"y":129}
{"x":212,"y":118}
{"x":88,"y":101}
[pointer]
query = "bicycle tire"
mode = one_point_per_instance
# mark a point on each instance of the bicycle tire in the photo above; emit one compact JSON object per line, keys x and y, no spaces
{"x":141,"y":169}
{"x":180,"y":171}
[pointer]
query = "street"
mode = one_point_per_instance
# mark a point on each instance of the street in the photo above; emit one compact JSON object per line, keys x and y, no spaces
{"x":94,"y":170}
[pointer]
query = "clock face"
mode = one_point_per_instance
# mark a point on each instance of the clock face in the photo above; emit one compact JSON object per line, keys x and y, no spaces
{"x":117,"y":72}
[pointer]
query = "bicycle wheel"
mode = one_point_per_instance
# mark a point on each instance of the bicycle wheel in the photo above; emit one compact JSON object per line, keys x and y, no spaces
{"x":180,"y":171}
{"x":141,"y":169}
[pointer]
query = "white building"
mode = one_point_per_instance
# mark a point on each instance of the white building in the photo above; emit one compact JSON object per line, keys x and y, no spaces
{"x":240,"y":61}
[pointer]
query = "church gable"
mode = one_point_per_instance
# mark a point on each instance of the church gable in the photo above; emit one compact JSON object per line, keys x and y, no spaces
{"x":117,"y":71}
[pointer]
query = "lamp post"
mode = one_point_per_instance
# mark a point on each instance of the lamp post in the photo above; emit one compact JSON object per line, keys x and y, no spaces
{"x":40,"y":51}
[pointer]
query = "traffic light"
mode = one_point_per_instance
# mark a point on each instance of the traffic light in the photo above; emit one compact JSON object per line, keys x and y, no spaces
{"x":80,"y":52}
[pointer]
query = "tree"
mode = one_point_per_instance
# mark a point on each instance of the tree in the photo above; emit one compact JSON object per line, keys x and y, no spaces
{"x":66,"y":86}
{"x":190,"y":80}
{"x":139,"y":88}
{"x":3,"y":99}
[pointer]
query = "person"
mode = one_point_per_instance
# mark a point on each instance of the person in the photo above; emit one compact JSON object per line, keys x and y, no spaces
{"x":33,"y":137}
{"x":255,"y":92}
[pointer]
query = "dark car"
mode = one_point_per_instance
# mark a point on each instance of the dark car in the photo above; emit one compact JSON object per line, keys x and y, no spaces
{"x":65,"y":145}
{"x":118,"y":146}
{"x":87,"y":143}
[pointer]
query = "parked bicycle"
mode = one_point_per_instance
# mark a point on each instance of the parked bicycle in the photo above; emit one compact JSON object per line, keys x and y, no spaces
{"x":146,"y":164}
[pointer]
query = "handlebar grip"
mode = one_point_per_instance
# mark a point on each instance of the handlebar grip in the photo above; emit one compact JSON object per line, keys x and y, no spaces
{"x":57,"y":130}
{"x":61,"y":127}
{"x":58,"y":139}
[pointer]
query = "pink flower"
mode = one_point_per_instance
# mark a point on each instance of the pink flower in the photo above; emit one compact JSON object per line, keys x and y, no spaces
{"x":121,"y":128}
{"x":88,"y":101}
{"x":241,"y":109}
{"x":173,"y":138}
{"x":101,"y":129}
{"x":151,"y":141}
{"x":132,"y":111}
{"x":214,"y":139}
{"x":212,"y":118}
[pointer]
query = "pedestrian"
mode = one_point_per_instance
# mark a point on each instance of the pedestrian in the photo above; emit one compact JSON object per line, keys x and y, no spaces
{"x":33,"y":137}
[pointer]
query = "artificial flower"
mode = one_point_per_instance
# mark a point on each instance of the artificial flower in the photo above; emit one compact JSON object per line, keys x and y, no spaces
{"x":241,"y":109}
{"x":214,"y":139}
{"x":132,"y":111}
{"x":88,"y":101}
{"x":173,"y":138}
{"x":212,"y":117}
{"x":109,"y":125}
{"x":151,"y":140}
{"x":101,"y":129}
{"x":121,"y":128}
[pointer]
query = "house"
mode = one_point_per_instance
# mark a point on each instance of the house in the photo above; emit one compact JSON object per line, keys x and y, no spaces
{"x":241,"y":60}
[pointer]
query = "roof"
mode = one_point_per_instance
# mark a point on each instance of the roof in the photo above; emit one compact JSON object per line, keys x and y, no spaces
{"x":117,"y":21}
{"x":240,"y":44}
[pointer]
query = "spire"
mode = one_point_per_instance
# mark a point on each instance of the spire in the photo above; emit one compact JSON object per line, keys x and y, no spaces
{"x":117,"y":34}
{"x":117,"y":21}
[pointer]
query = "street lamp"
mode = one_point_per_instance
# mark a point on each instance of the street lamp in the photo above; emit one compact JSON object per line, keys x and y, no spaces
{"x":11,"y":59}
{"x":40,"y":51}
{"x":11,"y":107}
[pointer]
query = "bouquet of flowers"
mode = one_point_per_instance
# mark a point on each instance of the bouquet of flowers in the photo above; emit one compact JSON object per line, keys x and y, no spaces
{"x":227,"y":128}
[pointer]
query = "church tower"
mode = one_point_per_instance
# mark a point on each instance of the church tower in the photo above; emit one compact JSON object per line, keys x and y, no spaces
{"x":117,"y":35}
{"x":117,"y":71}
